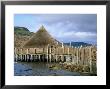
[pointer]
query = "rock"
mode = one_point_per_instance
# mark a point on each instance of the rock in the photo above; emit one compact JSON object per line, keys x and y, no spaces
{"x":55,"y":68}
{"x":76,"y":69}
{"x":51,"y":66}
{"x":86,"y":68}
{"x":80,"y":68}
{"x":27,"y":69}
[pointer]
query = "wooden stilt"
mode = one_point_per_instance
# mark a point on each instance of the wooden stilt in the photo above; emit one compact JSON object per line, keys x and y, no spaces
{"x":27,"y":51}
{"x":14,"y":54}
{"x":90,"y":60}
{"x":39,"y":58}
{"x":47,"y":52}
{"x":62,"y":45}
{"x":31,"y":58}
{"x":68,"y":55}
{"x":50,"y":57}
{"x":56,"y":57}
{"x":24,"y":58}
{"x":47,"y":57}
{"x":70,"y":44}
{"x":35,"y":57}
{"x":43,"y":57}
{"x":15,"y":57}
{"x":27,"y":57}
{"x":62,"y":58}
{"x":77,"y":55}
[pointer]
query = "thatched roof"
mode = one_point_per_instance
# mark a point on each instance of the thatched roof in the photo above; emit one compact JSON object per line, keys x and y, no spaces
{"x":40,"y":39}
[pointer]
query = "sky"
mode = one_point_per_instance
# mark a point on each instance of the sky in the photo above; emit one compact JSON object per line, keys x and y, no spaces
{"x":63,"y":27}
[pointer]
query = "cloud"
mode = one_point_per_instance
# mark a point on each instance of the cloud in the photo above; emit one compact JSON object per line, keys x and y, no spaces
{"x":84,"y":34}
{"x":63,"y":27}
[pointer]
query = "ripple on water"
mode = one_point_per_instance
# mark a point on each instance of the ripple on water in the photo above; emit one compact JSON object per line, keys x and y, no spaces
{"x":39,"y":69}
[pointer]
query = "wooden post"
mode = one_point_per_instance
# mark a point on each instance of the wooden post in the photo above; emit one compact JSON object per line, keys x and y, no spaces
{"x":66,"y":58}
{"x":70,"y":44}
{"x":86,"y":56}
{"x":15,"y":50}
{"x":47,"y":52}
{"x":68,"y":54}
{"x":27,"y":51}
{"x":68,"y":51}
{"x":15,"y":57}
{"x":56,"y":57}
{"x":50,"y":54}
{"x":50,"y":57}
{"x":77,"y":50}
{"x":28,"y":58}
{"x":61,"y":58}
{"x":62,"y":48}
{"x":22,"y":57}
{"x":35,"y":50}
{"x":47,"y":57}
{"x":83,"y":58}
{"x":62,"y":45}
{"x":21,"y":51}
{"x":25,"y":57}
{"x":31,"y":58}
{"x":43,"y":57}
{"x":34,"y":57}
{"x":18,"y":57}
{"x":90,"y":60}
{"x":72,"y":55}
{"x":57,"y":43}
{"x":62,"y":52}
{"x":80,"y":55}
{"x":39,"y":58}
{"x":14,"y":54}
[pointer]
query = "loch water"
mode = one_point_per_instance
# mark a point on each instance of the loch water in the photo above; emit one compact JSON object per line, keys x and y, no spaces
{"x":39,"y":69}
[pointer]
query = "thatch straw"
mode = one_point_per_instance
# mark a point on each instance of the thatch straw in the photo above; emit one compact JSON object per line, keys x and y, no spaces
{"x":40,"y":39}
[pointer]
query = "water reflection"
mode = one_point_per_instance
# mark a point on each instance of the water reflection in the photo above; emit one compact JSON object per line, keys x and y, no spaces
{"x":39,"y":69}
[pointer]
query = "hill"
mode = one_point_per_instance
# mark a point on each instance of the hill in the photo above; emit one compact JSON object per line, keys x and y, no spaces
{"x":21,"y":35}
{"x":22,"y":31}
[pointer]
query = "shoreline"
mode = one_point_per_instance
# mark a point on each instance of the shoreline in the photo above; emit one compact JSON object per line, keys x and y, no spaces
{"x":66,"y":66}
{"x":83,"y":70}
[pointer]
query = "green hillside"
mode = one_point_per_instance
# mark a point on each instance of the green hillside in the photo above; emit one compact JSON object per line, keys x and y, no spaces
{"x":22,"y":31}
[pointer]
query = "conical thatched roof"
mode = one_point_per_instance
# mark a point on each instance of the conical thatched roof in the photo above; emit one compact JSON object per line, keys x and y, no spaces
{"x":40,"y":39}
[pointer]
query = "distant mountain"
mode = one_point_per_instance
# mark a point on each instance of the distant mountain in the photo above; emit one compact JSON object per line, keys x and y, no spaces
{"x":78,"y":44}
{"x":22,"y":31}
